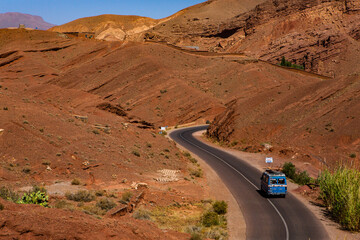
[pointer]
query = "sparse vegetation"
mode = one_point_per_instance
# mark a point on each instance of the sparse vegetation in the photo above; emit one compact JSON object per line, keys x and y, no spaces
{"x":234,"y":143}
{"x":340,"y":192}
{"x":105,"y":204}
{"x":188,"y":155}
{"x":196,"y":172}
{"x":201,"y":222}
{"x":1,"y":207}
{"x":8,"y":194}
{"x":100,"y":193}
{"x":210,"y":219}
{"x":220,"y":207}
{"x":80,"y":196}
{"x":75,"y":181}
{"x":126,"y":196}
{"x":46,"y":163}
{"x":142,"y":214}
{"x":26,"y":170}
{"x":163,"y":91}
{"x":62,"y":204}
{"x":352,"y":155}
{"x":136,"y":153}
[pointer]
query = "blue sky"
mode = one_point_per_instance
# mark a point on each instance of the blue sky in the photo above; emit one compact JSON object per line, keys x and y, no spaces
{"x":63,"y":11}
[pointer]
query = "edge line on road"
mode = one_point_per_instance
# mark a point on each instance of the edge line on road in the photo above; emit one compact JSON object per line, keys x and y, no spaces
{"x":278,"y":212}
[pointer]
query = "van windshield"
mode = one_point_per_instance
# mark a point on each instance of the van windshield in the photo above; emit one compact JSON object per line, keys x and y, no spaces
{"x":281,"y":181}
{"x":273,"y":181}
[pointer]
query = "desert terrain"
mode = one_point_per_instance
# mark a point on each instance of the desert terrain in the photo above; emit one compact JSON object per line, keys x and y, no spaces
{"x":81,"y":113}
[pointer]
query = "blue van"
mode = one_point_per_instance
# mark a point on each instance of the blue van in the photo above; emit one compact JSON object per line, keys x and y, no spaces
{"x":273,"y":183}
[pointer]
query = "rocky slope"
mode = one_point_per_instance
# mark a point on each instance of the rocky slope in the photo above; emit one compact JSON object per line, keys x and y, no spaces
{"x":13,"y":19}
{"x":316,"y":123}
{"x":317,"y":35}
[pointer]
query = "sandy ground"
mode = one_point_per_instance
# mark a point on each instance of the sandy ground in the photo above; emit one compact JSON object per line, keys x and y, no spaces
{"x":237,"y":226}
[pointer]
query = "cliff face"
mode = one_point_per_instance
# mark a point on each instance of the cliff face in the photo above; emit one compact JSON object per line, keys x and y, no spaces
{"x":312,"y":34}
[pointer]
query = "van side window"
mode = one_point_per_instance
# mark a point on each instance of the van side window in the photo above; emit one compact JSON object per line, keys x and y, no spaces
{"x":281,"y":181}
{"x":273,"y":181}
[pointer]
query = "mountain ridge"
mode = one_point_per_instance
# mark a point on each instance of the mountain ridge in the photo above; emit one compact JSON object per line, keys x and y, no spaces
{"x":13,"y":19}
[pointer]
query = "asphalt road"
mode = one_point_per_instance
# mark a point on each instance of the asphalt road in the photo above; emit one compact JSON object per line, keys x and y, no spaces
{"x":266,"y":218}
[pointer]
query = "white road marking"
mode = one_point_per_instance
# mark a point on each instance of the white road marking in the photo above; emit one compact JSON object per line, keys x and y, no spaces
{"x":278,"y":212}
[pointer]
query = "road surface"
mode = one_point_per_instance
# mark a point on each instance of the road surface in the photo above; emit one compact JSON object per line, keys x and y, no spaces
{"x":266,"y":218}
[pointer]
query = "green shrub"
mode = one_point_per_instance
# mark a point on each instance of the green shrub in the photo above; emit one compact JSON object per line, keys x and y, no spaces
{"x":37,"y":188}
{"x":80,"y":196}
{"x":75,"y":181}
{"x":210,"y":219}
{"x":187,"y":154}
{"x":301,"y":178}
{"x":352,"y":155}
{"x":340,"y":192}
{"x":105,"y":204}
{"x":286,"y":63}
{"x":1,"y":207}
{"x":289,"y":170}
{"x":220,"y":207}
{"x":196,"y":172}
{"x":142,"y":214}
{"x":39,"y":198}
{"x":26,"y":170}
{"x":136,"y":153}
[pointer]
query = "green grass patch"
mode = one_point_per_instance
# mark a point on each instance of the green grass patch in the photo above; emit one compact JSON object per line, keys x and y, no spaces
{"x":286,"y":63}
{"x":340,"y":192}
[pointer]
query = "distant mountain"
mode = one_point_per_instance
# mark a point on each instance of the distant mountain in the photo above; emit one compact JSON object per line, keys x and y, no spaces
{"x":13,"y":19}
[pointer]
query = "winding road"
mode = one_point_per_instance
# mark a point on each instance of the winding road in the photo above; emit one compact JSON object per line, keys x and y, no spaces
{"x":266,"y":218}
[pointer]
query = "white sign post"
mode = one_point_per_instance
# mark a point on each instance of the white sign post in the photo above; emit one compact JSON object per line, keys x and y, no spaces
{"x":269,"y":160}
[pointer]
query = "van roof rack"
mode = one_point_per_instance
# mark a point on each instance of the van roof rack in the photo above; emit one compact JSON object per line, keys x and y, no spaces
{"x":274,"y":172}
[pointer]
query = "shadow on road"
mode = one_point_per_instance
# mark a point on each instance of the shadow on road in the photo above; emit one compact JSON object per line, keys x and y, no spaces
{"x":264,"y":195}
